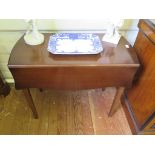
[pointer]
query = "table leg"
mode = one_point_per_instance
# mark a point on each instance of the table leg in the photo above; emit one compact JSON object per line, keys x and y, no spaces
{"x":30,"y":102}
{"x":117,"y":100}
{"x":41,"y":90}
{"x":103,"y":89}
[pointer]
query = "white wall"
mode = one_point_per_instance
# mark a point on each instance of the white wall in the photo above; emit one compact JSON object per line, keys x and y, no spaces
{"x":61,"y":24}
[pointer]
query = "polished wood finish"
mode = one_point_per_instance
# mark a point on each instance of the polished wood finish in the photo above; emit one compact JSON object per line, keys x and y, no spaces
{"x":142,"y":95}
{"x":35,"y":67}
{"x":4,"y":88}
{"x":73,"y":78}
{"x":117,"y":100}
{"x":30,"y":101}
{"x":30,"y":65}
{"x":147,"y":28}
{"x":62,"y":113}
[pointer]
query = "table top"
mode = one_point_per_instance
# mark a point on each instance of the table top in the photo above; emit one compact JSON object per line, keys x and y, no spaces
{"x":33,"y":56}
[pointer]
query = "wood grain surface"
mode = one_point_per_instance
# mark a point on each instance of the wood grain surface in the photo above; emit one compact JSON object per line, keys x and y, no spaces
{"x":35,"y":67}
{"x":62,"y":113}
{"x":142,"y":95}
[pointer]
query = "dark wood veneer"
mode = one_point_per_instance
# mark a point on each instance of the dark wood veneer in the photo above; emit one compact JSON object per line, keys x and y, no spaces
{"x":35,"y":67}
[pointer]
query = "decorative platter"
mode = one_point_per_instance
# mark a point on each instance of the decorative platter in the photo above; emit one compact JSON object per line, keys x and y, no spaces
{"x":74,"y":43}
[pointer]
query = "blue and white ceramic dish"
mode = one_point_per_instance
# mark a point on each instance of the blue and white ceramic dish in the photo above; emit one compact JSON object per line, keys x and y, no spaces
{"x":74,"y":43}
